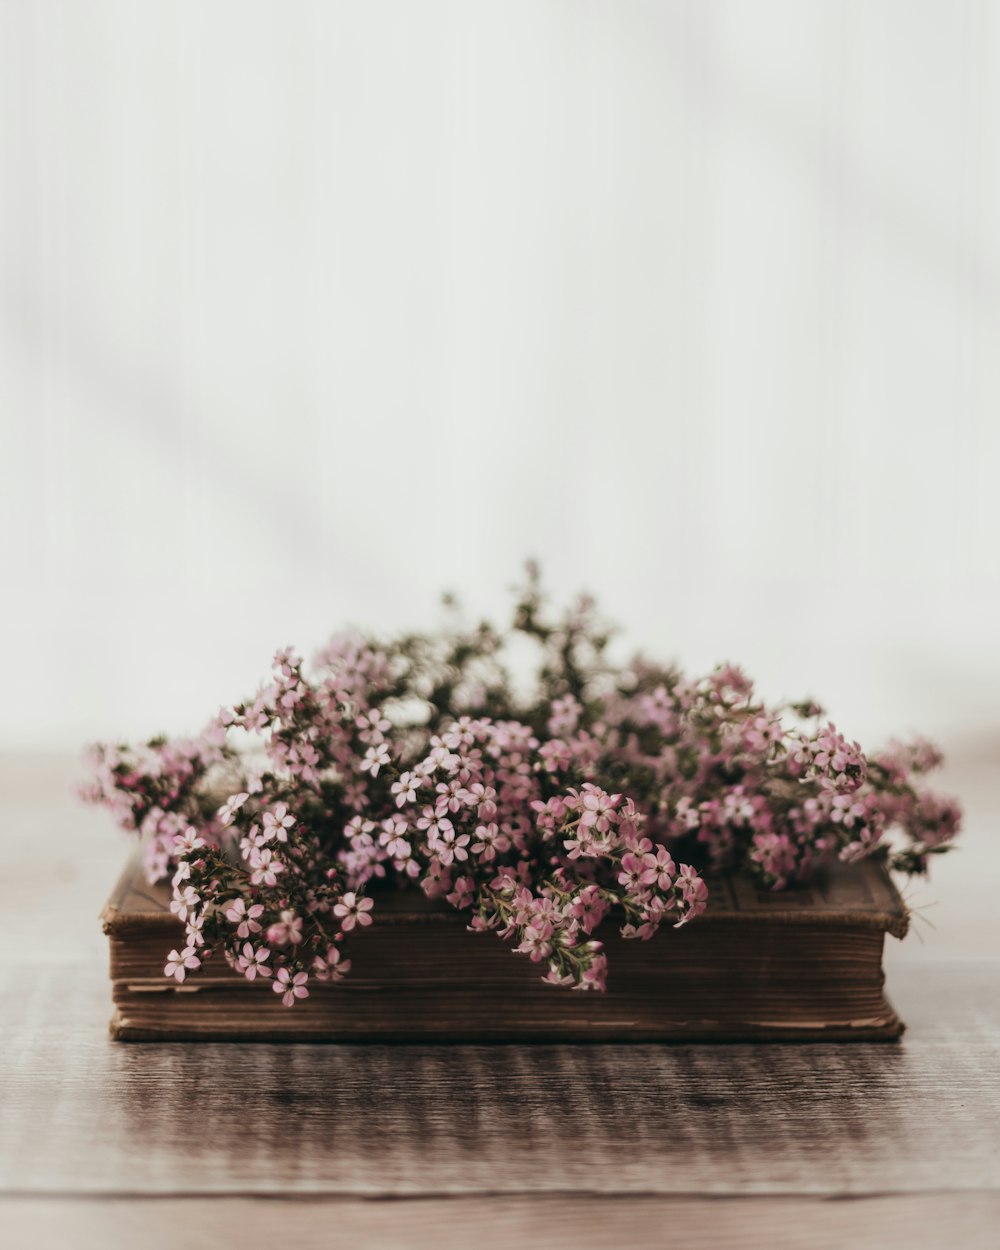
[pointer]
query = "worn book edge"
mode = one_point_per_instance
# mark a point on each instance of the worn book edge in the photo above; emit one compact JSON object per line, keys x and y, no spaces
{"x":860,"y":894}
{"x":884,"y":1027}
{"x":854,"y":900}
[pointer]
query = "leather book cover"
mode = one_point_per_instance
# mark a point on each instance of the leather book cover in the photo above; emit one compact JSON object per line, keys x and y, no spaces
{"x":802,"y":964}
{"x":861,"y":894}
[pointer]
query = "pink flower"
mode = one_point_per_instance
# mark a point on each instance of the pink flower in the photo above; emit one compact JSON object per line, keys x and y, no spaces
{"x":332,"y":968}
{"x":536,"y":941}
{"x":252,"y":963}
{"x":555,"y":977}
{"x":178,"y":964}
{"x":405,"y":789}
{"x":286,"y":662}
{"x":632,"y":872}
{"x":265,"y":867}
{"x":373,"y":725}
{"x":244,"y":917}
{"x":482,"y":798}
{"x":433,"y":823}
{"x":359,"y":828}
{"x":446,"y":843}
{"x":287,"y":930}
{"x":864,"y":845}
{"x":482,"y":815}
{"x":393,"y":837}
{"x":302,"y":760}
{"x":353,"y":911}
{"x":847,"y":809}
{"x":277,"y":823}
{"x":462,"y":895}
{"x":687,"y":814}
{"x":290,"y":986}
{"x":184,"y":901}
{"x":193,"y":928}
{"x":564,"y":716}
{"x":231,"y":806}
{"x":595,"y":975}
{"x":589,"y":908}
{"x":376,"y":757}
{"x":693,"y":890}
{"x":658,"y":870}
{"x":449,"y":796}
{"x":187,"y":841}
{"x":598,"y":808}
{"x":490,"y":841}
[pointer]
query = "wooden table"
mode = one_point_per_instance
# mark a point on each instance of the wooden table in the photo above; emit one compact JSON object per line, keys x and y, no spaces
{"x":110,"y":1145}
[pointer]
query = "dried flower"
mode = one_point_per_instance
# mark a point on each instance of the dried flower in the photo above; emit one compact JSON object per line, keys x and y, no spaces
{"x":603,"y":793}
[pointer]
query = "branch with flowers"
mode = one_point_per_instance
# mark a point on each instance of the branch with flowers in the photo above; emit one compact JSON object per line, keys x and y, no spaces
{"x":604,"y":791}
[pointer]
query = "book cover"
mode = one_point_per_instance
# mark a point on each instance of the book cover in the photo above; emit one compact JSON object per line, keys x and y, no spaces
{"x":800,"y":964}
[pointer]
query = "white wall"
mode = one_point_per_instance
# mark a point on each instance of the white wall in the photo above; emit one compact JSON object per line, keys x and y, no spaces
{"x":308,"y":312}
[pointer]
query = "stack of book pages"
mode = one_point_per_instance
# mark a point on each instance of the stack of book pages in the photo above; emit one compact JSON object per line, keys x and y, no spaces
{"x":798,"y":965}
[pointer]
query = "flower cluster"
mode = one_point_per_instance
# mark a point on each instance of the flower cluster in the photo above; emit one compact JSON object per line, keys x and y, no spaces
{"x":600,"y":796}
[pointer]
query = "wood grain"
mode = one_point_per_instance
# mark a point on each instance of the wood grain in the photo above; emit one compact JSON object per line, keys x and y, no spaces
{"x":914,"y":1222}
{"x":83,"y":1115}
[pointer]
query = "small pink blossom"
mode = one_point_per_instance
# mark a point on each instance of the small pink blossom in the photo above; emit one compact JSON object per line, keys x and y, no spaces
{"x":490,"y":842}
{"x":252,"y":961}
{"x":286,"y":931}
{"x":245,"y":918}
{"x":595,"y":975}
{"x":536,"y":941}
{"x":405,"y":789}
{"x":265,"y":867}
{"x":632,"y":871}
{"x":352,"y":911}
{"x":331,"y":967}
{"x":276,"y":823}
{"x":231,"y":806}
{"x":290,"y":986}
{"x":658,"y":869}
{"x":393,"y":837}
{"x":598,"y":808}
{"x":187,"y":841}
{"x":376,"y":758}
{"x":589,"y":908}
{"x":373,"y":725}
{"x":194,"y":929}
{"x":462,"y":895}
{"x":184,"y":901}
{"x":180,"y":963}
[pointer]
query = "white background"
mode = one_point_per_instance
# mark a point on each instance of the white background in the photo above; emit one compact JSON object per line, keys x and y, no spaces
{"x":309,"y":312}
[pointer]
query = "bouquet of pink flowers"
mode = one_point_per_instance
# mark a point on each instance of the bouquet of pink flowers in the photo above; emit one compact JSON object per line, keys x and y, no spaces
{"x":601,"y":791}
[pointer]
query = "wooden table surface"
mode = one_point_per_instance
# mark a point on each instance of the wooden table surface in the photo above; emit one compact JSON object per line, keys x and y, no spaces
{"x":170,"y":1145}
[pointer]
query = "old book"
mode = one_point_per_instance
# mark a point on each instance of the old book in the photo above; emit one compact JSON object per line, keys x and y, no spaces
{"x":804,"y":964}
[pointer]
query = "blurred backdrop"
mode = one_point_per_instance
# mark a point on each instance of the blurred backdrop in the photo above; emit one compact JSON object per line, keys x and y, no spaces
{"x":310,"y":313}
